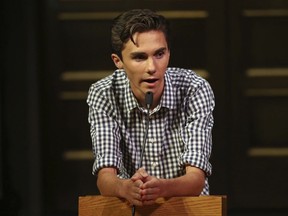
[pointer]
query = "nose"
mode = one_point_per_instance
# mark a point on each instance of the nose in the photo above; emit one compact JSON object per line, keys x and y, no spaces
{"x":151,"y":65}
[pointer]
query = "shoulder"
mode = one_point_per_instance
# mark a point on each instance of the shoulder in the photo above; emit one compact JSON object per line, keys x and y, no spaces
{"x":185,"y":78}
{"x":105,"y":89}
{"x":116,"y":79}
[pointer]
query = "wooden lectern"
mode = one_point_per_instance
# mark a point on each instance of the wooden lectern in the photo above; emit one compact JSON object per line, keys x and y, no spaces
{"x":194,"y":206}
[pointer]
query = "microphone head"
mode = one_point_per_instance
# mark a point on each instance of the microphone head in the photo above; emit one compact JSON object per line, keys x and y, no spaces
{"x":149,"y":99}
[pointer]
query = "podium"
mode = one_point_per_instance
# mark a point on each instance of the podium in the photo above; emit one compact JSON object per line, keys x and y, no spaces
{"x":194,"y":206}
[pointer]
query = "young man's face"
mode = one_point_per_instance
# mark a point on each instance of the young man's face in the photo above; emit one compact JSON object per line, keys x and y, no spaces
{"x":145,"y":63}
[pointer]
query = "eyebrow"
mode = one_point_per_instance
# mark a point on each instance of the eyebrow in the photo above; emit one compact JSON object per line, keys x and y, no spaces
{"x":134,"y":54}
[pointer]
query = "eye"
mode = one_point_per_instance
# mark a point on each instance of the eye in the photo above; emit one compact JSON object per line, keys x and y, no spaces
{"x":139,"y":57}
{"x":160,"y":54}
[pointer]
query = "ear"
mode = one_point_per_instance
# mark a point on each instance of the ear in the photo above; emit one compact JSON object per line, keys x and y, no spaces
{"x":117,"y":61}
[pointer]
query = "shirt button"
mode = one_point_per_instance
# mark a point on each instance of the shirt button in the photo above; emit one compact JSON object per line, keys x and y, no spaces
{"x":154,"y":164}
{"x":152,"y":140}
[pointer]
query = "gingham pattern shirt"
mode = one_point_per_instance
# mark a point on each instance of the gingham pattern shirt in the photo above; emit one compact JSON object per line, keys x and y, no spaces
{"x":179,"y":127}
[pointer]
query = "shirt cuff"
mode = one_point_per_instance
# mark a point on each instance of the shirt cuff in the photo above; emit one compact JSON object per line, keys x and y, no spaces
{"x":196,"y":159}
{"x":104,"y":161}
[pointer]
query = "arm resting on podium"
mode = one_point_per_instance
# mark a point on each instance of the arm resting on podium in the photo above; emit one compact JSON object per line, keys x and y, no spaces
{"x":196,"y":206}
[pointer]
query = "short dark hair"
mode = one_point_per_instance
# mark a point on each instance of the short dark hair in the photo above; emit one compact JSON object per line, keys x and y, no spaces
{"x":137,"y":20}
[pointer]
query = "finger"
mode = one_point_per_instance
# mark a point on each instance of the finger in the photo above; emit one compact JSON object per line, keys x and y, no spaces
{"x":148,"y":202}
{"x":137,"y":196}
{"x":141,"y":171}
{"x":150,"y":193}
{"x":136,"y":200}
{"x":137,"y":203}
{"x":149,"y":197}
{"x":140,"y":174}
{"x":138,"y":184}
{"x":149,"y":184}
{"x":136,"y":177}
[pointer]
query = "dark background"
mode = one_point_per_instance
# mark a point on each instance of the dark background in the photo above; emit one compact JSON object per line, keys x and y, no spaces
{"x":52,"y":51}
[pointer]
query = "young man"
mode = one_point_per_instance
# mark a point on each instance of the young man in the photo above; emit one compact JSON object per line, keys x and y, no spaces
{"x":178,"y":146}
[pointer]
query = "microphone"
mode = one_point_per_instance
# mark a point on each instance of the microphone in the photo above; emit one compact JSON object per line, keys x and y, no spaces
{"x":149,"y":99}
{"x":148,"y":102}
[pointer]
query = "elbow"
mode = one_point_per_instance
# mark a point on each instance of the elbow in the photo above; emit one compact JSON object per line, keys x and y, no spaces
{"x":101,"y":189}
{"x":199,"y":188}
{"x":197,"y":183}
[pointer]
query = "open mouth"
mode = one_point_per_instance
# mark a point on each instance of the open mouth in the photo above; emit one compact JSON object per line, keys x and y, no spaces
{"x":150,"y":80}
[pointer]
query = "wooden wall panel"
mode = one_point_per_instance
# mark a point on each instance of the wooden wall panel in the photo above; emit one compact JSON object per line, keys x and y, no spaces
{"x":258,"y":32}
{"x":266,"y":126}
{"x":265,"y":37}
{"x":191,"y":53}
{"x":84,"y":44}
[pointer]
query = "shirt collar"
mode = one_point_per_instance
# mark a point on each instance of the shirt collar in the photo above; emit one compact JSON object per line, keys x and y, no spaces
{"x":168,"y":99}
{"x":130,"y":100}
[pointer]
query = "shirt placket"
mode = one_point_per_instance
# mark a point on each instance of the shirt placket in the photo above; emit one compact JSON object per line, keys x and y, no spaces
{"x":153,"y":149}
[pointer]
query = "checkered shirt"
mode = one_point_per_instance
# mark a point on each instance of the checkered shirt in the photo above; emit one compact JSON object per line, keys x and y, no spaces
{"x":180,"y":127}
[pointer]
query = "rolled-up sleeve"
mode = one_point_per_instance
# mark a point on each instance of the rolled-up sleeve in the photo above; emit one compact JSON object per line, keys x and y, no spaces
{"x":197,"y":131}
{"x":104,"y":132}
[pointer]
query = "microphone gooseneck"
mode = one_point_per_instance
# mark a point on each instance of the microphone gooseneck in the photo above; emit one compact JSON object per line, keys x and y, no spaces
{"x":148,"y":102}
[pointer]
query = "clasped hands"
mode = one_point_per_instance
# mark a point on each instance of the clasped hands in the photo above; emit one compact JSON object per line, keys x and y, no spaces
{"x":145,"y":189}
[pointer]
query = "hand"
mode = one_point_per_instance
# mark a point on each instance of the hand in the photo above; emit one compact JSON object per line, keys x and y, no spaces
{"x":140,"y":174}
{"x":110,"y":185}
{"x":151,"y":190}
{"x":132,"y":192}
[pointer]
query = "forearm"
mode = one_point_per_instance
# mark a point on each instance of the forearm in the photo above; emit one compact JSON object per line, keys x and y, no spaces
{"x":190,"y":184}
{"x":109,"y":184}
